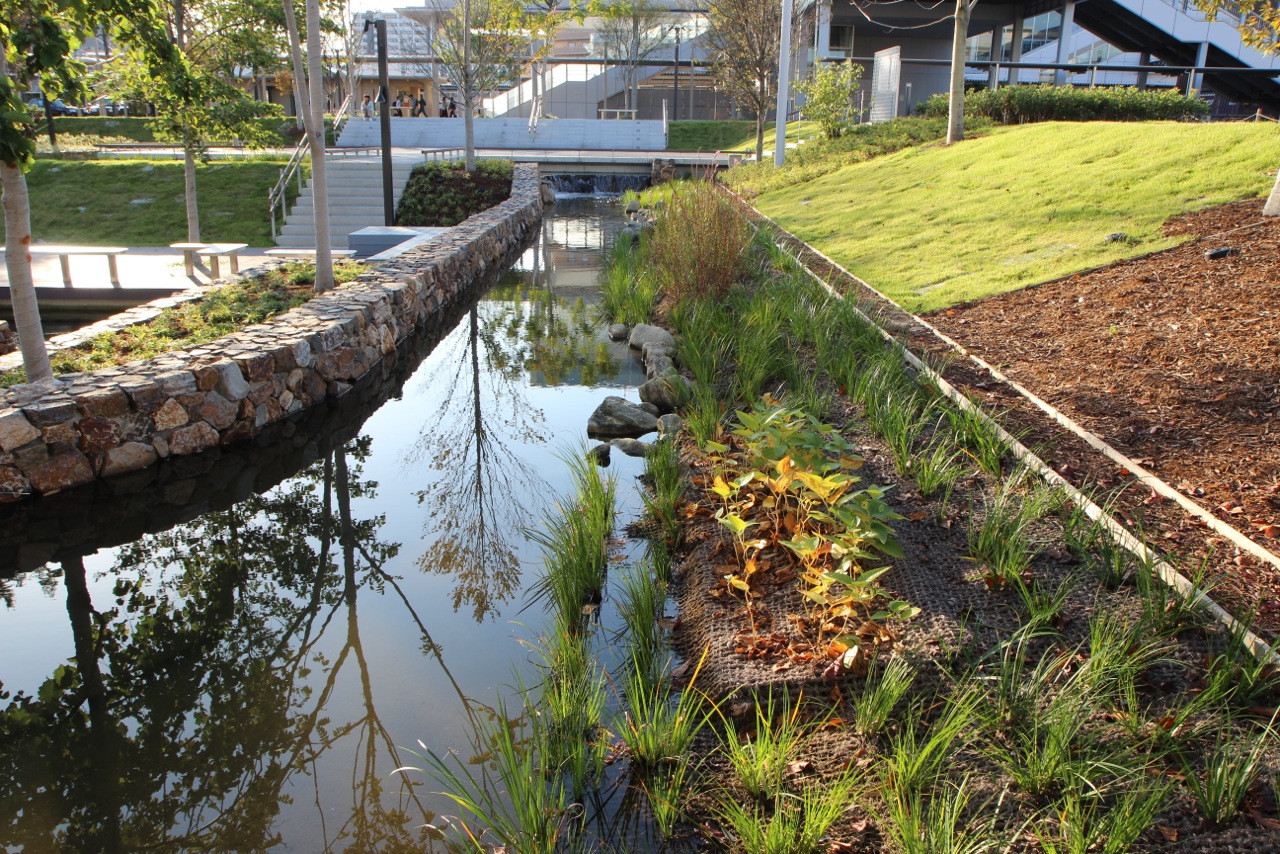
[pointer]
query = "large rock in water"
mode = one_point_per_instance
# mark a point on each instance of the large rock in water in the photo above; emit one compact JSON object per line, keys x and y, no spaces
{"x":644,"y":333}
{"x":619,"y":417}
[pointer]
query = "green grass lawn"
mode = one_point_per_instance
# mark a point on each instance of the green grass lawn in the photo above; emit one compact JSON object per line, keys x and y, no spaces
{"x":730,"y":135}
{"x":139,"y":129}
{"x":932,"y":226}
{"x":140,"y":202}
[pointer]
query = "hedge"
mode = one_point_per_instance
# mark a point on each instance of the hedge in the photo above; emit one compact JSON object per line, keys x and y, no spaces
{"x":1045,"y":103}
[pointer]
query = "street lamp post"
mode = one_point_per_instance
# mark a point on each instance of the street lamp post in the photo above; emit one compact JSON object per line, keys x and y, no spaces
{"x":675,"y":92}
{"x":784,"y":86}
{"x":384,"y":121}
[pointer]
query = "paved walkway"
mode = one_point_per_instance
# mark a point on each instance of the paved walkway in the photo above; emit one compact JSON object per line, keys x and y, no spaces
{"x":140,"y":267}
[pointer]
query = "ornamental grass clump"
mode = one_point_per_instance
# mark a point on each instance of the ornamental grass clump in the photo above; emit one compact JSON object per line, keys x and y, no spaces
{"x":698,"y":246}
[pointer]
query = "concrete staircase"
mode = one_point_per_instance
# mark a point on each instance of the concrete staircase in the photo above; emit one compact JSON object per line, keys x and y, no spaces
{"x":355,"y":200}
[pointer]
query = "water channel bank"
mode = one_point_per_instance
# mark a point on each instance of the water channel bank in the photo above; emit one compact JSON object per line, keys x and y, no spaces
{"x":68,"y":432}
{"x":236,"y":656}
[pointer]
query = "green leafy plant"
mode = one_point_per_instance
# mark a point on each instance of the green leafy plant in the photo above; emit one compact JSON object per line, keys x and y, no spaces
{"x":797,"y":823}
{"x":885,"y":687}
{"x":1043,"y":103}
{"x":829,"y":96}
{"x":1230,"y":770}
{"x":940,"y":823}
{"x":443,"y":193}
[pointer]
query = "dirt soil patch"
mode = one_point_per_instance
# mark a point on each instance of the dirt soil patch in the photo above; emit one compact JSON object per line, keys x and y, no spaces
{"x":1174,"y":359}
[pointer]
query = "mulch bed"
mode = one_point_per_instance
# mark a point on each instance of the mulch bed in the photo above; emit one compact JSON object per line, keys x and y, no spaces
{"x":1172,"y":358}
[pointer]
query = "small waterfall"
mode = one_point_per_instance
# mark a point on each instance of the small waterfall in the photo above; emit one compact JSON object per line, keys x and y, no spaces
{"x":596,"y":184}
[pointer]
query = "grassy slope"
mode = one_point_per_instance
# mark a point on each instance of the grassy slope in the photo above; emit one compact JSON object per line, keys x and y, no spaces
{"x":730,"y":135}
{"x":89,"y":202}
{"x":139,"y":129}
{"x":934,"y":226}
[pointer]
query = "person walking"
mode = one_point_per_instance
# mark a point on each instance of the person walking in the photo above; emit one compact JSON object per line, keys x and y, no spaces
{"x":453,"y":108}
{"x":420,"y":107}
{"x":366,"y":108}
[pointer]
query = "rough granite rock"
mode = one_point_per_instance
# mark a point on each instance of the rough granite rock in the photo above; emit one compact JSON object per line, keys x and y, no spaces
{"x":231,"y":382}
{"x":669,"y":425}
{"x":668,"y":393}
{"x":644,"y":333}
{"x":619,"y":417}
{"x":631,"y":447}
{"x":15,"y":430}
{"x":130,"y":456}
{"x":63,"y":469}
{"x":14,"y":486}
{"x":189,"y":440}
{"x":600,"y":453}
{"x":619,"y":332}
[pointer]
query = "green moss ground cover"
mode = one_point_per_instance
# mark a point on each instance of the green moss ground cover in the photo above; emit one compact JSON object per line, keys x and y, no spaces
{"x":932,"y":226}
{"x":140,"y":202}
{"x":222,"y":311}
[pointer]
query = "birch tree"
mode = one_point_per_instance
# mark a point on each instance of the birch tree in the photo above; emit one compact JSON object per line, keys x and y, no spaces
{"x":631,"y":32}
{"x":480,"y":47}
{"x":955,"y":103}
{"x":742,"y":37}
{"x":38,"y":39}
{"x":309,"y":80}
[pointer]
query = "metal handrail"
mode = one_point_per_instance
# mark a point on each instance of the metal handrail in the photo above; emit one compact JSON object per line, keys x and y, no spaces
{"x":279,"y":195}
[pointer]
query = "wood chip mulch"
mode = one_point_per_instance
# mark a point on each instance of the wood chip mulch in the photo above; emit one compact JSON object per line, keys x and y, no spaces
{"x":1172,"y":358}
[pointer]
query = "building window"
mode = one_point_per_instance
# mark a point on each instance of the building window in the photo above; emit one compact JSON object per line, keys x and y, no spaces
{"x":841,"y":39}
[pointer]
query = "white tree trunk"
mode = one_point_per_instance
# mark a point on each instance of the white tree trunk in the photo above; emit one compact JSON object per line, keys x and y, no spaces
{"x":22,"y":287}
{"x":315,"y":132}
{"x":468,"y":90}
{"x":189,"y":191}
{"x":1272,"y":207}
{"x":955,"y":108}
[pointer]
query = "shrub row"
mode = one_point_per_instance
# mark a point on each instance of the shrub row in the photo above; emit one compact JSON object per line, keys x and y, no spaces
{"x":1044,"y":103}
{"x":443,"y":193}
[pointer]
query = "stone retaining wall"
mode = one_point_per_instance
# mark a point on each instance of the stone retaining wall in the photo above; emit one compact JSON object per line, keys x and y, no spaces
{"x":69,"y":431}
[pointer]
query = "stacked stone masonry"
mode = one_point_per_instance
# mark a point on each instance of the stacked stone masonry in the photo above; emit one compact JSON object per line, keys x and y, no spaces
{"x":69,"y":431}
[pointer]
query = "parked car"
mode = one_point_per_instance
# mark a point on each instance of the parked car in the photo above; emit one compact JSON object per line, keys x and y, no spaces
{"x":56,"y":106}
{"x":105,"y":106}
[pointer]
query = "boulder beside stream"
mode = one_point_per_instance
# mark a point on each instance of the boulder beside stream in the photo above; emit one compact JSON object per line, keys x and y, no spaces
{"x":619,"y":417}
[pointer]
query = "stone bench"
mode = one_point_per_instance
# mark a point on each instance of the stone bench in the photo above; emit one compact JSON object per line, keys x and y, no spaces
{"x":189,"y":251}
{"x":290,"y":252}
{"x":64,"y":254}
{"x":215,"y":251}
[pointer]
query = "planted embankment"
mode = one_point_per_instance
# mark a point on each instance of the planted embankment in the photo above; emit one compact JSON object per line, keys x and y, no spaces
{"x":69,"y":432}
{"x":934,"y":226}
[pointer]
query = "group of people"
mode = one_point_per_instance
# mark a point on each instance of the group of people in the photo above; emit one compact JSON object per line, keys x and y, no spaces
{"x":417,"y":107}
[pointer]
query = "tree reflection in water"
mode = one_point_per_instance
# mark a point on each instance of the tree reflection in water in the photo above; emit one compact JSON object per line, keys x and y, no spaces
{"x":518,"y":336}
{"x":191,"y":701}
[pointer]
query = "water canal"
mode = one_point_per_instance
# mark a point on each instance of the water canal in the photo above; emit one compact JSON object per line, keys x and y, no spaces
{"x":239,"y":655}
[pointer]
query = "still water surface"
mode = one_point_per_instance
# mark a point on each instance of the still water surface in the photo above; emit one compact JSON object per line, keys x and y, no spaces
{"x":251,"y":678}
